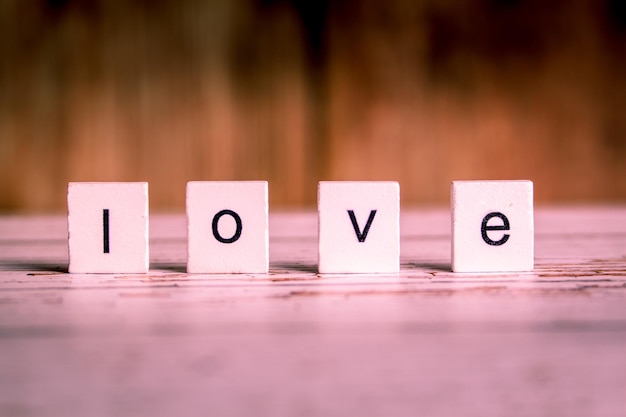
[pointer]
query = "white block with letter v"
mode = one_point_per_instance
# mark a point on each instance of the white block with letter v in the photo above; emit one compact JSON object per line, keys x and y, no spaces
{"x":108,"y":227}
{"x":227,"y":227}
{"x":492,"y":226}
{"x":359,"y":227}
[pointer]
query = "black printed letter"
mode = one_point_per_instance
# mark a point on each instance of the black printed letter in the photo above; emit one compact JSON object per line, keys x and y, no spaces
{"x":363,"y":235}
{"x":484,"y":229}
{"x":216,"y":232}
{"x":105,"y":229}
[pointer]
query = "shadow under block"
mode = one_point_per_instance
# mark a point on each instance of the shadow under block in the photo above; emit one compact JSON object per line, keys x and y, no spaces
{"x":108,"y":227}
{"x":227,"y":227}
{"x":492,"y":226}
{"x":359,"y":227}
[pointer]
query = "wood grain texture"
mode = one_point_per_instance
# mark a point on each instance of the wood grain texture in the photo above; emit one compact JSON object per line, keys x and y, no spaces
{"x":422,"y":342}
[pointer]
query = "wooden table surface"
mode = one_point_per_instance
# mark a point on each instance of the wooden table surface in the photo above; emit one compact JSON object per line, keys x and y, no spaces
{"x":292,"y":343}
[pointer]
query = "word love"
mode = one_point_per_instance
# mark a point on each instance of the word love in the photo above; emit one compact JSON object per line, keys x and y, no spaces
{"x":359,"y":227}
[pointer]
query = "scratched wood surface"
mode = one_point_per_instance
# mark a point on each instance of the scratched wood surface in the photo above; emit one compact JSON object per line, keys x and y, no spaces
{"x":292,"y":343}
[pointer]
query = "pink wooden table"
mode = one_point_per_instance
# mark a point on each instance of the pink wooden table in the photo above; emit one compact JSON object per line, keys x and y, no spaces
{"x":292,"y":343}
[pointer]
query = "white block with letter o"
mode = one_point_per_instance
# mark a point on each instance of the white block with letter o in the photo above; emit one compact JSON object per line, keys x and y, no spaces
{"x":492,"y":226}
{"x":227,"y":227}
{"x":359,"y":227}
{"x":108,"y":227}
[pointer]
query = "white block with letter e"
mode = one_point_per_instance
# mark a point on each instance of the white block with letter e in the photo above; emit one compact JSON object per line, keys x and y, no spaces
{"x":108,"y":227}
{"x":359,"y":227}
{"x":492,"y":226}
{"x":227,"y":227}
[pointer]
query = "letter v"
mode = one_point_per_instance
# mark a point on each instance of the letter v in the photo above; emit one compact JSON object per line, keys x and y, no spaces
{"x":361,"y":235}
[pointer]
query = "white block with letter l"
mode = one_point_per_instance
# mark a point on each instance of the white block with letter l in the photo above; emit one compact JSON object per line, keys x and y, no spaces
{"x":492,"y":226}
{"x":108,"y":227}
{"x":227,"y":227}
{"x":359,"y":227}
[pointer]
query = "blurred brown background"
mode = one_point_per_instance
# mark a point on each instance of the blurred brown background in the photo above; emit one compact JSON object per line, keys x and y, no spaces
{"x":295,"y":91}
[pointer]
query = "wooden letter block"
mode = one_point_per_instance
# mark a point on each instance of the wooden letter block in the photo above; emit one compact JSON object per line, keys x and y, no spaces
{"x":359,"y":227}
{"x":492,"y":226}
{"x":108,"y":227}
{"x":227,"y":227}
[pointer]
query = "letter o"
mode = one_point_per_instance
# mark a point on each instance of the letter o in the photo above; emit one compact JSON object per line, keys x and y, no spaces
{"x":238,"y":228}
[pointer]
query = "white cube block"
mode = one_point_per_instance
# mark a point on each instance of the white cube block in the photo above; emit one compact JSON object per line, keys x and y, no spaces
{"x":359,"y":227}
{"x":227,"y":227}
{"x":492,"y":226}
{"x":108,"y":227}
